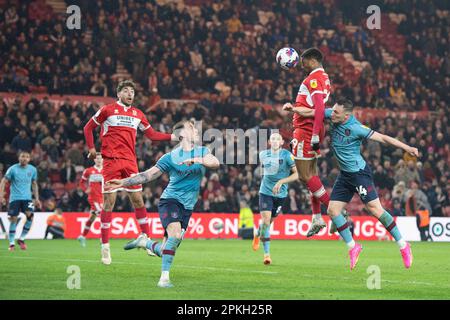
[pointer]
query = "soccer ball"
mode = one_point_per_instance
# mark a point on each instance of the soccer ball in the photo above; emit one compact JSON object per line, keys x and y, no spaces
{"x":287,"y":58}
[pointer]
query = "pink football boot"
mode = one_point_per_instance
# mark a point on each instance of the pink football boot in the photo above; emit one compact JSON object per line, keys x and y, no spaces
{"x":354,"y":255}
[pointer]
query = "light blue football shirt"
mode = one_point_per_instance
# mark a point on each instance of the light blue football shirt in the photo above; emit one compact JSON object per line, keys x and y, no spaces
{"x":275,"y":166}
{"x":346,"y":140}
{"x":184,"y":182}
{"x":20,"y":179}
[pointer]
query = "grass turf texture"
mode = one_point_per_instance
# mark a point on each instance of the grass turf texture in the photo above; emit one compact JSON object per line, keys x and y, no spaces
{"x":224,"y":269}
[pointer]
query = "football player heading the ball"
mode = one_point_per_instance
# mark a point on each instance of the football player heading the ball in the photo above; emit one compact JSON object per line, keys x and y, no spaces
{"x":309,"y":131}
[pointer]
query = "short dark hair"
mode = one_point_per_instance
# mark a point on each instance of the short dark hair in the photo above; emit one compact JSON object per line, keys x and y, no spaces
{"x":125,"y":83}
{"x":312,"y":53}
{"x":346,"y":103}
{"x":178,"y":126}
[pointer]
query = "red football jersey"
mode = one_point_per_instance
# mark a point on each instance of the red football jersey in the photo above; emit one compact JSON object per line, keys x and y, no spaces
{"x":119,"y":124}
{"x":93,"y":176}
{"x":317,"y":82}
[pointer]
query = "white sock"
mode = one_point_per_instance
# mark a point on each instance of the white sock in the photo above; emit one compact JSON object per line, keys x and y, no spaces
{"x":317,"y":216}
{"x":105,"y":245}
{"x":351,"y":244}
{"x":164,"y":275}
{"x":401,"y":243}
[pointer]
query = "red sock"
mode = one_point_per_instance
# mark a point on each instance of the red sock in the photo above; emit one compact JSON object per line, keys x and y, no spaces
{"x":141,"y":217}
{"x":315,"y":205}
{"x":105,"y":218}
{"x":316,"y":187}
{"x":87,"y":227}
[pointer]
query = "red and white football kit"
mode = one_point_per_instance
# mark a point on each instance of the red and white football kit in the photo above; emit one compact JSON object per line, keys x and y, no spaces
{"x":315,"y":89}
{"x":93,"y":178}
{"x":119,"y":124}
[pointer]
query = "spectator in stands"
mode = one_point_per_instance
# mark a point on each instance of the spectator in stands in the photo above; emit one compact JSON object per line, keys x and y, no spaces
{"x":7,"y":131}
{"x":67,"y":172}
{"x":78,"y":200}
{"x":292,"y":204}
{"x":46,"y":192}
{"x":21,"y":142}
{"x":56,"y":225}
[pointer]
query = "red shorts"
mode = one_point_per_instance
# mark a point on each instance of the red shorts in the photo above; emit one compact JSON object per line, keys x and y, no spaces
{"x":96,"y":205}
{"x":120,"y":169}
{"x":301,"y":145}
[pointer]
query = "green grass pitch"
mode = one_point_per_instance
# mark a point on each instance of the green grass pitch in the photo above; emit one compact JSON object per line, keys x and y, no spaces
{"x":225,"y":269}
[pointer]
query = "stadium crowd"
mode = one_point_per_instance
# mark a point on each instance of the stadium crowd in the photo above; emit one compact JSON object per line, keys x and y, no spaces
{"x":222,"y":55}
{"x":225,"y":48}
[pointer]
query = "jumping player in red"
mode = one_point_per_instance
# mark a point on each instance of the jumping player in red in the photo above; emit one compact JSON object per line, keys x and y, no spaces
{"x":119,"y":123}
{"x":91,"y":182}
{"x":309,"y":132}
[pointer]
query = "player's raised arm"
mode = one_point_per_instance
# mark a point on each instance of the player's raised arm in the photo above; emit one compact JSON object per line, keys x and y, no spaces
{"x":143,"y":177}
{"x":154,"y":135}
{"x":209,"y":161}
{"x":385,"y":139}
{"x":302,"y":111}
{"x":89,"y":136}
{"x":2,"y":191}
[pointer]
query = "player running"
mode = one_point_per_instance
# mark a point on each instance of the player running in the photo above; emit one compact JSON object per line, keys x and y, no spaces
{"x":278,"y":169}
{"x":356,"y":176}
{"x":309,"y":131}
{"x":119,"y":122}
{"x":22,"y":178}
{"x":186,"y":168}
{"x":91,"y":182}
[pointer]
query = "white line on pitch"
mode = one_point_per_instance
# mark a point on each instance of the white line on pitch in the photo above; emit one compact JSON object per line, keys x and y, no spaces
{"x":146,"y":264}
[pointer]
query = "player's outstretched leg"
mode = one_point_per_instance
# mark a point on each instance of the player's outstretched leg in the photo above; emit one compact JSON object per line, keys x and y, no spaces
{"x":105,"y":218}
{"x":12,"y":234}
{"x":333,"y":227}
{"x":168,"y":254}
{"x":265,"y":239}
{"x":141,"y":217}
{"x":139,"y":242}
{"x":317,"y":222}
{"x":25,"y":230}
{"x":82,"y":237}
{"x":375,"y":208}
{"x":342,"y":225}
{"x":256,"y":237}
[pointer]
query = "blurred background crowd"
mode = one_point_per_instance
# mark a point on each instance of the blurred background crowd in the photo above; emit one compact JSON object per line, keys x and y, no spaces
{"x":220,"y":54}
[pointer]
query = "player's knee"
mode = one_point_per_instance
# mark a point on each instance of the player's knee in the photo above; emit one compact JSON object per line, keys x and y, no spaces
{"x":138,"y":203}
{"x":333,"y":212}
{"x":374,"y":209}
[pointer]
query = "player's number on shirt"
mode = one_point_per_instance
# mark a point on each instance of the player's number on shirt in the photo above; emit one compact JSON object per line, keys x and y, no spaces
{"x":31,"y":205}
{"x":361,"y":190}
{"x":294,"y":143}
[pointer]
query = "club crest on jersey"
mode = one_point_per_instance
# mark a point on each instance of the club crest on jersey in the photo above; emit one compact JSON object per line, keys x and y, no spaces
{"x":347,"y":132}
{"x":313,"y":83}
{"x":134,"y":112}
{"x":280,"y":161}
{"x":116,"y":111}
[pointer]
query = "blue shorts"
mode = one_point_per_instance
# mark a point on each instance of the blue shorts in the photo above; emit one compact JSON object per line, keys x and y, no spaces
{"x":270,"y":203}
{"x":347,"y":183}
{"x":171,"y":210}
{"x":18,"y":206}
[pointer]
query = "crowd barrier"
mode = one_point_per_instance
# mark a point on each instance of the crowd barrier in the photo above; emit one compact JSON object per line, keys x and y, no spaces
{"x":226,"y":226}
